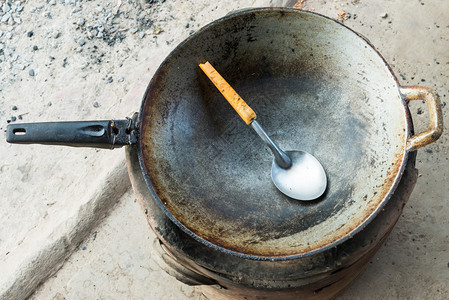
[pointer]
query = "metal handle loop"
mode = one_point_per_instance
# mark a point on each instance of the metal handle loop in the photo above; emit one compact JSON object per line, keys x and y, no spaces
{"x":436,"y":116}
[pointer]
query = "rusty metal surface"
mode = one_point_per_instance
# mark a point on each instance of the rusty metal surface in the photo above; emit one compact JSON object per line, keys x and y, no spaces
{"x":435,"y":128}
{"x":318,"y":87}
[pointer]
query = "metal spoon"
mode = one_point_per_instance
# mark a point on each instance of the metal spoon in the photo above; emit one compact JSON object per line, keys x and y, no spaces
{"x":297,"y":174}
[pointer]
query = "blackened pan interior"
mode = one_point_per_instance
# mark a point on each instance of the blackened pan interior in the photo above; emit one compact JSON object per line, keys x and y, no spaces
{"x":315,"y":86}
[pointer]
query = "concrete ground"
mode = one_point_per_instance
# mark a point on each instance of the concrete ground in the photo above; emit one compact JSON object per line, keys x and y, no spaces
{"x":54,"y":199}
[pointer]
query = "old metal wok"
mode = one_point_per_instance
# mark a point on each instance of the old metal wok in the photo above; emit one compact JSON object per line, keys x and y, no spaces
{"x":315,"y":83}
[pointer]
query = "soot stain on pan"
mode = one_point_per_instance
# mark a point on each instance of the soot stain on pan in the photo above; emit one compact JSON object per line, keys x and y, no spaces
{"x":279,"y":216}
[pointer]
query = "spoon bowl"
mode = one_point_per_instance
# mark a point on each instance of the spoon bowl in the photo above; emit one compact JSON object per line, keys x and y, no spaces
{"x":304,"y":180}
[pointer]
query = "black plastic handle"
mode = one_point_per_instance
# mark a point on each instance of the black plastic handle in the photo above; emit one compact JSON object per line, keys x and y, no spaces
{"x":97,"y":134}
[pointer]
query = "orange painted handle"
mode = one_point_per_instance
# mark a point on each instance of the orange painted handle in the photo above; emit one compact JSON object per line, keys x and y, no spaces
{"x":435,"y":112}
{"x":240,"y":106}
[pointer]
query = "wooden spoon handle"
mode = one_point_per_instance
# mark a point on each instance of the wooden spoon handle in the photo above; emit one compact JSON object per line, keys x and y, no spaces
{"x":240,"y":106}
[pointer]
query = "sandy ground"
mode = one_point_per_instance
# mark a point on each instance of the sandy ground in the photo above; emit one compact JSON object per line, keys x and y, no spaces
{"x":115,"y":262}
{"x":79,"y":74}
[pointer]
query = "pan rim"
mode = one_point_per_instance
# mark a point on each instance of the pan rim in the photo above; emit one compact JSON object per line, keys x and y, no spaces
{"x":362,"y":225}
